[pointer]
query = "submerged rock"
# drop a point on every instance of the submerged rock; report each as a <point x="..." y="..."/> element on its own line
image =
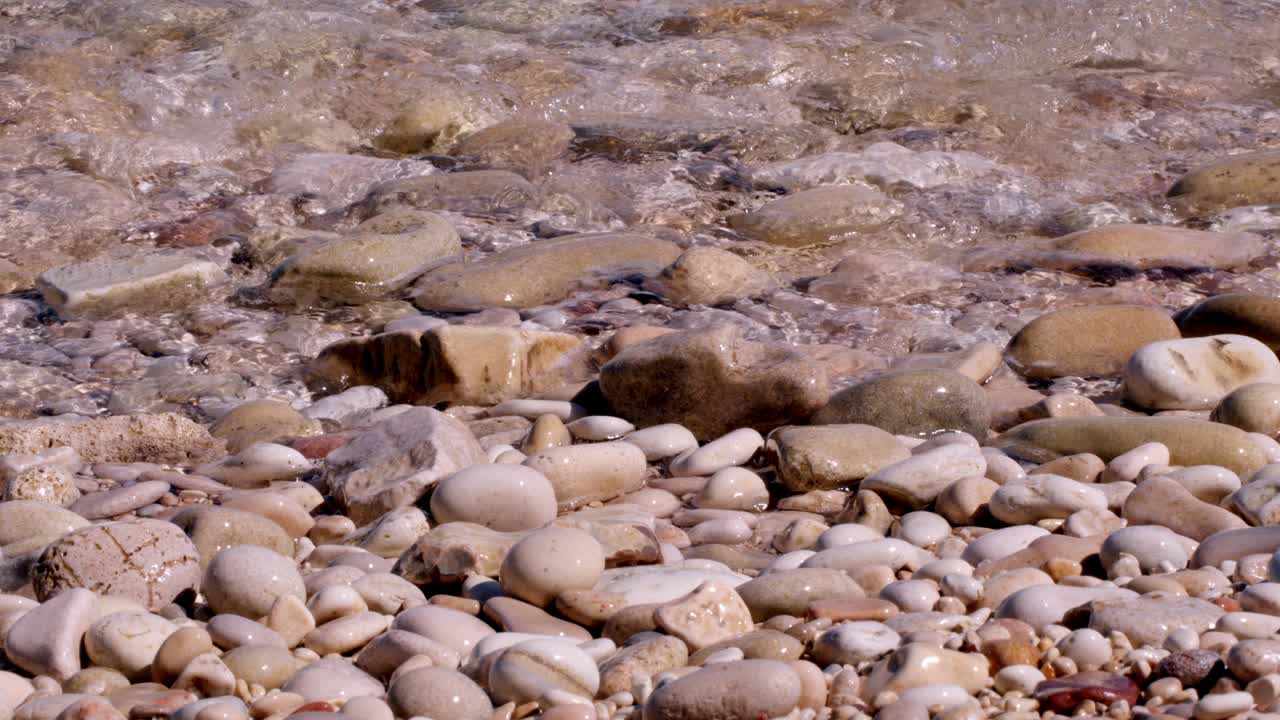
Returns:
<point x="712" y="382"/>
<point x="114" y="286"/>
<point x="541" y="272"/>
<point x="820" y="215"/>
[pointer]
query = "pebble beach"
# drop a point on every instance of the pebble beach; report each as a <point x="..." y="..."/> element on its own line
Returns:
<point x="639" y="360"/>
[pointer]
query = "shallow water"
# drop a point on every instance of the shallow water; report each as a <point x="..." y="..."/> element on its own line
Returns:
<point x="125" y="126"/>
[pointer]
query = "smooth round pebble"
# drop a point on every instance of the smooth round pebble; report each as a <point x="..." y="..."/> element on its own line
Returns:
<point x="550" y="561"/>
<point x="499" y="496"/>
<point x="247" y="579"/>
<point x="529" y="669"/>
<point x="438" y="693"/>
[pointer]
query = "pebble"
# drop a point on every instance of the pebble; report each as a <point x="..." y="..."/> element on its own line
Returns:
<point x="733" y="488"/>
<point x="710" y="614"/>
<point x="1150" y="544"/>
<point x="438" y="693"/>
<point x="850" y="643"/>
<point x="1087" y="341"/>
<point x="452" y="628"/>
<point x="333" y="680"/>
<point x="582" y="474"/>
<point x="529" y="573"/>
<point x="1254" y="407"/>
<point x="42" y="483"/>
<point x="267" y="665"/>
<point x="919" y="479"/>
<point x="1149" y="620"/>
<point x="597" y="428"/>
<point x="923" y="529"/>
<point x="280" y="509"/>
<point x="247" y="579"/>
<point x="1196" y="373"/>
<point x="1042" y="497"/>
<point x="1068" y="693"/>
<point x="912" y="402"/>
<point x="527" y="670"/>
<point x="97" y="506"/>
<point x="823" y="457"/>
<point x="127" y="641"/>
<point x="46" y="640"/>
<point x="501" y="497"/>
<point x="917" y="664"/>
<point x="660" y="442"/>
<point x="1046" y="604"/>
<point x="1001" y="543"/>
<point x="257" y="466"/>
<point x="733" y="449"/>
<point x="792" y="592"/>
<point x="1160" y="501"/>
<point x="1220" y="706"/>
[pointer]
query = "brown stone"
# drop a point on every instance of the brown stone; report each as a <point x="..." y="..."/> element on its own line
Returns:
<point x="1087" y="341"/>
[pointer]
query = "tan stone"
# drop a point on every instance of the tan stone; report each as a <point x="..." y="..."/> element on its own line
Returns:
<point x="710" y="276"/>
<point x="1245" y="179"/>
<point x="820" y="215"/>
<point x="1253" y="315"/>
<point x="710" y="614"/>
<point x="829" y="456"/>
<point x="159" y="438"/>
<point x="262" y="421"/>
<point x="1087" y="341"/>
<point x="455" y="364"/>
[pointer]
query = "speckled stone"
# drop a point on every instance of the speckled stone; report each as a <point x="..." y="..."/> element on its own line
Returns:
<point x="148" y="561"/>
<point x="912" y="402"/>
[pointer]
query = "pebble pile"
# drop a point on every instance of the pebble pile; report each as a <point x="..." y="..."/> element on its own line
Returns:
<point x="650" y="360"/>
<point x="744" y="543"/>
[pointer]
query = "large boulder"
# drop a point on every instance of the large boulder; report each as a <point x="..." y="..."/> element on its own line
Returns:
<point x="541" y="272"/>
<point x="393" y="463"/>
<point x="713" y="382"/>
<point x="454" y="363"/>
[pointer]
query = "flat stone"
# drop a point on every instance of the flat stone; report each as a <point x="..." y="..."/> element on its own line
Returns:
<point x="1195" y="373"/>
<point x="391" y="649"/>
<point x="1244" y="179"/>
<point x="821" y="215"/>
<point x="383" y="255"/>
<point x="516" y="616"/>
<point x="453" y="551"/>
<point x="332" y="679"/>
<point x="541" y="273"/>
<point x="149" y="282"/>
<point x="851" y="643"/>
<point x="1149" y="620"/>
<point x="392" y="464"/>
<point x="1253" y="315"/>
<point x="452" y="628"/>
<point x="148" y="561"/>
<point x="159" y="438"/>
<point x="726" y="691"/>
<point x="1161" y="501"/>
<point x="823" y="457"/>
<point x="460" y="364"/>
<point x="713" y="382"/>
<point x="262" y="421"/>
<point x="118" y="501"/>
<point x="1130" y="246"/>
<point x="1087" y="341"/>
<point x="762" y="644"/>
<point x="1235" y="543"/>
<point x="1044" y="497"/>
<point x="1190" y="441"/>
<point x="912" y="402"/>
<point x="1045" y="604"/>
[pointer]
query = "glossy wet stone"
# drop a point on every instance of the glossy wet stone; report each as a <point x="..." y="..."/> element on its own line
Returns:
<point x="1065" y="694"/>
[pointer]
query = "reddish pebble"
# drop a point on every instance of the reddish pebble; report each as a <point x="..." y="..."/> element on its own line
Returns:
<point x="319" y="446"/>
<point x="1228" y="604"/>
<point x="1065" y="694"/>
<point x="317" y="706"/>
